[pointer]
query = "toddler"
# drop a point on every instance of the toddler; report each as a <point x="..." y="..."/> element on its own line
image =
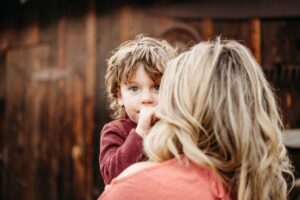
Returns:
<point x="132" y="83"/>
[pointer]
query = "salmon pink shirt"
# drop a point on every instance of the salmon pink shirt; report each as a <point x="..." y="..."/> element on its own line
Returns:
<point x="170" y="180"/>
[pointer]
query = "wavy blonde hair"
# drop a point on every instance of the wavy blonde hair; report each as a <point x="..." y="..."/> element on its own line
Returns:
<point x="217" y="109"/>
<point x="149" y="52"/>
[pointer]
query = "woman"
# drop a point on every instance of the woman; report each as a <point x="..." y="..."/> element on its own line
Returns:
<point x="219" y="133"/>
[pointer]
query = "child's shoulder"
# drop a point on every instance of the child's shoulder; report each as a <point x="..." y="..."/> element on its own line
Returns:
<point x="120" y="124"/>
<point x="119" y="121"/>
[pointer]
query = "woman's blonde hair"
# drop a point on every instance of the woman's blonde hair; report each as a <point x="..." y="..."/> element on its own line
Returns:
<point x="217" y="109"/>
<point x="149" y="52"/>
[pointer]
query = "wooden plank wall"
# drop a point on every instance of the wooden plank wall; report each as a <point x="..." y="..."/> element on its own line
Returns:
<point x="281" y="51"/>
<point x="49" y="95"/>
<point x="52" y="100"/>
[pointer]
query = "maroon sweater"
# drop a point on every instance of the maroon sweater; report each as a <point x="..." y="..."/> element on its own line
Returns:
<point x="120" y="146"/>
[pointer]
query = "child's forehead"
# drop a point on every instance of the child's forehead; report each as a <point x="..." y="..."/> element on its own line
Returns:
<point x="130" y="75"/>
<point x="134" y="81"/>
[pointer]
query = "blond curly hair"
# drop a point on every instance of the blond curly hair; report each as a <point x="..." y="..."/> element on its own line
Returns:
<point x="152" y="53"/>
<point x="217" y="109"/>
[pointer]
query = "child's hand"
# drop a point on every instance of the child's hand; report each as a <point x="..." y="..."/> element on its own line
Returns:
<point x="146" y="120"/>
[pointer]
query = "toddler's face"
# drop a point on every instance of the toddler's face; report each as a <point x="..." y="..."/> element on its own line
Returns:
<point x="140" y="91"/>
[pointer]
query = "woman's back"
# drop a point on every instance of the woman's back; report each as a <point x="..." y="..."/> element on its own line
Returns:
<point x="168" y="180"/>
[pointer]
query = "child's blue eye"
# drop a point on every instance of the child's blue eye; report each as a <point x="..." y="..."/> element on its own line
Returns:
<point x="156" y="87"/>
<point x="134" y="89"/>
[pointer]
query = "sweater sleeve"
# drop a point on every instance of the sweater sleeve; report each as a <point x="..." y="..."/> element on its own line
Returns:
<point x="118" y="151"/>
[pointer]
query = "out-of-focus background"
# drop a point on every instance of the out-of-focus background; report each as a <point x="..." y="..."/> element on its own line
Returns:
<point x="52" y="66"/>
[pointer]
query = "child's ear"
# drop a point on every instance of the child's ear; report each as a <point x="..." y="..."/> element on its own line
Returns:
<point x="120" y="99"/>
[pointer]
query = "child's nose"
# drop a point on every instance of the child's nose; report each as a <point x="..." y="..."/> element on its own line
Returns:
<point x="146" y="98"/>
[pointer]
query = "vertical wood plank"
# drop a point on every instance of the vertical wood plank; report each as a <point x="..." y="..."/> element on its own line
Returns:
<point x="207" y="29"/>
<point x="75" y="60"/>
<point x="61" y="42"/>
<point x="256" y="39"/>
<point x="108" y="38"/>
<point x="55" y="119"/>
<point x="90" y="95"/>
<point x="50" y="107"/>
<point x="2" y="114"/>
<point x="124" y="24"/>
<point x="13" y="148"/>
<point x="37" y="114"/>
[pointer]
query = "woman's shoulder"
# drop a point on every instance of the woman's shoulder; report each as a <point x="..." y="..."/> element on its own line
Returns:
<point x="189" y="180"/>
<point x="168" y="166"/>
<point x="136" y="168"/>
<point x="154" y="167"/>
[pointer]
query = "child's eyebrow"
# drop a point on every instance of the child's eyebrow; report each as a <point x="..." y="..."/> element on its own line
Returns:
<point x="131" y="82"/>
